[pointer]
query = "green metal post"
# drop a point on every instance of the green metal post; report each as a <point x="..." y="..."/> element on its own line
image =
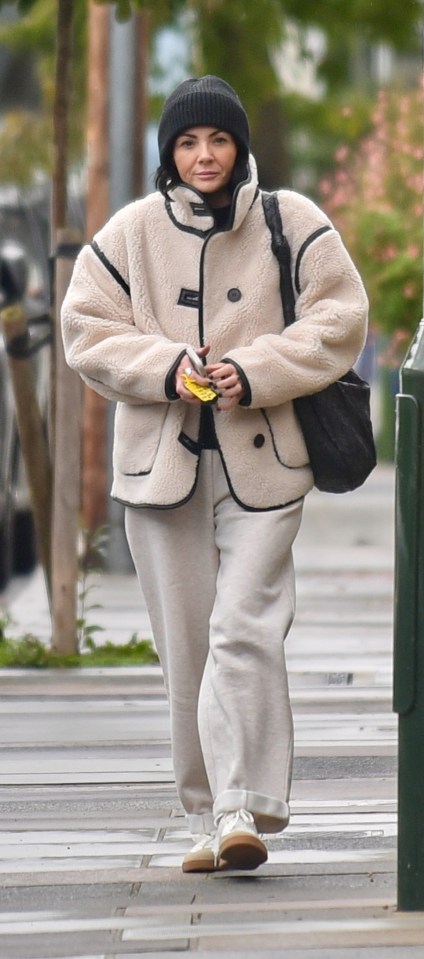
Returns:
<point x="409" y="625"/>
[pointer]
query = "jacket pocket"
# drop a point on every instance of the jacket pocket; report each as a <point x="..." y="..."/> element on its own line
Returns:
<point x="286" y="436"/>
<point x="138" y="431"/>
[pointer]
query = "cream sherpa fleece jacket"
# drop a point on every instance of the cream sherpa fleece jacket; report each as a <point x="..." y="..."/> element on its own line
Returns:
<point x="158" y="277"/>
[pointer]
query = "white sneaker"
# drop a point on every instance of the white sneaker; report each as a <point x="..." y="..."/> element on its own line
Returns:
<point x="238" y="843"/>
<point x="201" y="857"/>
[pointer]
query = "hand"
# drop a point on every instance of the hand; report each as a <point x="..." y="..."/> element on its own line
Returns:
<point x="225" y="378"/>
<point x="182" y="369"/>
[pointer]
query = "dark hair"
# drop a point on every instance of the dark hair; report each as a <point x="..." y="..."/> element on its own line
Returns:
<point x="167" y="176"/>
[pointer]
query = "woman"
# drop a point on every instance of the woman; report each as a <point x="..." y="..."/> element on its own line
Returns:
<point x="214" y="493"/>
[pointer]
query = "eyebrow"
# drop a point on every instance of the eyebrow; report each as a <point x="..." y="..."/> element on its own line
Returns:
<point x="193" y="136"/>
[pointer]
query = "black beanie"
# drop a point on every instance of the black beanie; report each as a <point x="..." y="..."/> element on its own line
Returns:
<point x="208" y="101"/>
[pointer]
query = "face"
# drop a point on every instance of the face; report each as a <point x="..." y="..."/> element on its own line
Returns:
<point x="205" y="158"/>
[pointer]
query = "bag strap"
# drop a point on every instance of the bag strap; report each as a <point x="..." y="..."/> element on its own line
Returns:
<point x="281" y="249"/>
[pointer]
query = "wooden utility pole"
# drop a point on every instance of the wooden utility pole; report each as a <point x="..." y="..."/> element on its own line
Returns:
<point x="94" y="462"/>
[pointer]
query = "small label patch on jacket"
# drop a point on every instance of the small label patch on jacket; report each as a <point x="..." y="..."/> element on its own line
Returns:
<point x="189" y="298"/>
<point x="200" y="209"/>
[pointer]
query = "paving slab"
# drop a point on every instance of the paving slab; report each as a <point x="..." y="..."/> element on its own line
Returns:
<point x="91" y="832"/>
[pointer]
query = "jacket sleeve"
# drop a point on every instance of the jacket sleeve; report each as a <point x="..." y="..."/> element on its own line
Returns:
<point x="113" y="355"/>
<point x="331" y="320"/>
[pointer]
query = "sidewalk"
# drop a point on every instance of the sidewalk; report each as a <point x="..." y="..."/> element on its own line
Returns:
<point x="92" y="835"/>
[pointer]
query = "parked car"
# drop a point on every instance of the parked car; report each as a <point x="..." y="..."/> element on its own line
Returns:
<point x="24" y="278"/>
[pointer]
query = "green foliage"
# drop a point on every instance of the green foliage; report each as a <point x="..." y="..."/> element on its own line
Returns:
<point x="91" y="560"/>
<point x="22" y="5"/>
<point x="29" y="652"/>
<point x="318" y="126"/>
<point x="25" y="653"/>
<point x="236" y="39"/>
<point x="375" y="197"/>
<point x="26" y="137"/>
<point x="290" y="132"/>
<point x="123" y="9"/>
<point x="165" y="9"/>
<point x="34" y="31"/>
<point x="18" y="162"/>
<point x="375" y="20"/>
<point x="136" y="652"/>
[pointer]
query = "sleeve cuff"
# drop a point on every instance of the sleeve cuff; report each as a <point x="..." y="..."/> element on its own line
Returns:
<point x="170" y="378"/>
<point x="247" y="398"/>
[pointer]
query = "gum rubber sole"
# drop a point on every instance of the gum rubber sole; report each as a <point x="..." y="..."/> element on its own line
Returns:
<point x="199" y="863"/>
<point x="242" y="852"/>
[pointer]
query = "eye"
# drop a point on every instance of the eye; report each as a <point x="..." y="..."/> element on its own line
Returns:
<point x="186" y="143"/>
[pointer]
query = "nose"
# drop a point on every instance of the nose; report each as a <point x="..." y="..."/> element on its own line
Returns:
<point x="205" y="152"/>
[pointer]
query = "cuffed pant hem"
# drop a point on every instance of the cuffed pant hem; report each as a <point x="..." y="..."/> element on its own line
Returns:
<point x="199" y="824"/>
<point x="270" y="815"/>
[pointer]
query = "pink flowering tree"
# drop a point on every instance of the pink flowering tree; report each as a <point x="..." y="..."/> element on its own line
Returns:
<point x="375" y="198"/>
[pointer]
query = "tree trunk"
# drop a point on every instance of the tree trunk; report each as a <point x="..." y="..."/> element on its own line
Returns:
<point x="141" y="99"/>
<point x="64" y="21"/>
<point x="94" y="473"/>
<point x="67" y="468"/>
<point x="65" y="416"/>
<point x="65" y="16"/>
<point x="95" y="449"/>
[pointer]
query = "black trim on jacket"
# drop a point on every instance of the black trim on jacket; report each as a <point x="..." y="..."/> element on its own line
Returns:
<point x="274" y="445"/>
<point x="170" y="379"/>
<point x="247" y="398"/>
<point x="110" y="268"/>
<point x="253" y="509"/>
<point x="196" y="231"/>
<point x="310" y="239"/>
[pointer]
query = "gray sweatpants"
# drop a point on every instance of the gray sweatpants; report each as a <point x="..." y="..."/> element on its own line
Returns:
<point x="218" y="582"/>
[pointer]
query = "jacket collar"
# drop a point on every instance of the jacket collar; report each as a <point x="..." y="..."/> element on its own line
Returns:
<point x="190" y="212"/>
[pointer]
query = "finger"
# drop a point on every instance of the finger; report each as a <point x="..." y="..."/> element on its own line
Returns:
<point x="219" y="369"/>
<point x="203" y="350"/>
<point x="226" y="404"/>
<point x="225" y="373"/>
<point x="231" y="386"/>
<point x="224" y="381"/>
<point x="182" y="390"/>
<point x="187" y="370"/>
<point x="188" y="397"/>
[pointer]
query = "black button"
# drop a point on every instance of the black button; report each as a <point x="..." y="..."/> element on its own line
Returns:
<point x="234" y="295"/>
<point x="259" y="440"/>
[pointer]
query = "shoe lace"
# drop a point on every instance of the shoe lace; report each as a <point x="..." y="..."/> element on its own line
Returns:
<point x="233" y="819"/>
<point x="204" y="841"/>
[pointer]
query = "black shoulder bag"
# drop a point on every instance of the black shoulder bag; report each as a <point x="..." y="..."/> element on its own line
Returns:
<point x="336" y="421"/>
